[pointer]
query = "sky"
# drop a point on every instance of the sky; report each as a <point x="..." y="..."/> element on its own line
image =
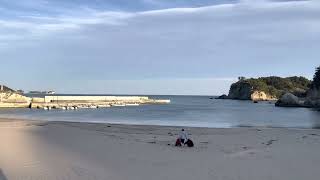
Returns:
<point x="191" y="47"/>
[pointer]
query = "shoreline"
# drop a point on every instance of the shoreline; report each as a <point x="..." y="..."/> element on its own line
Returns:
<point x="2" y="119"/>
<point x="32" y="149"/>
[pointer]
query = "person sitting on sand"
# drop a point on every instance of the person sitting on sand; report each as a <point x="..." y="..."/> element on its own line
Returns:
<point x="184" y="139"/>
<point x="183" y="136"/>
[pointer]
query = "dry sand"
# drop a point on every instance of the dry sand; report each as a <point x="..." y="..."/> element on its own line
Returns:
<point x="84" y="151"/>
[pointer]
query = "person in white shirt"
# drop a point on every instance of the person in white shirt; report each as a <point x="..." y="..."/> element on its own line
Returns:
<point x="183" y="136"/>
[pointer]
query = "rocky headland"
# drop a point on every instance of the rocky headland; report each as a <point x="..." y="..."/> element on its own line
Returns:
<point x="267" y="88"/>
<point x="310" y="100"/>
<point x="287" y="92"/>
<point x="10" y="98"/>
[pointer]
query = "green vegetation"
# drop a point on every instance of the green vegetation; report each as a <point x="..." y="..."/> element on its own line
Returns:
<point x="277" y="86"/>
<point x="316" y="79"/>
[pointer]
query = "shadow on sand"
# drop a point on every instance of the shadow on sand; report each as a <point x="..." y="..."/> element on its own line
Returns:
<point x="2" y="176"/>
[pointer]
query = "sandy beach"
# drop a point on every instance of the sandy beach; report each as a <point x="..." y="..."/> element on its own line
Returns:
<point x="84" y="151"/>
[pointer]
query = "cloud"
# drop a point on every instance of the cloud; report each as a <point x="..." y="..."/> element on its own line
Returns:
<point x="224" y="40"/>
<point x="239" y="12"/>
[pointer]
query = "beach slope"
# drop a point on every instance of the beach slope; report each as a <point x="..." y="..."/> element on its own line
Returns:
<point x="82" y="151"/>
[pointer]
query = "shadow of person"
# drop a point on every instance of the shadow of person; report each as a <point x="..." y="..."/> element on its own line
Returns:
<point x="2" y="176"/>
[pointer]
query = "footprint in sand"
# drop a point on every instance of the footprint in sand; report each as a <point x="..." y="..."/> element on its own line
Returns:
<point x="82" y="172"/>
<point x="204" y="142"/>
<point x="270" y="142"/>
<point x="244" y="153"/>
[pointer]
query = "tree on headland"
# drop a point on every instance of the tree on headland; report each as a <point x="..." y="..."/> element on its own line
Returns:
<point x="316" y="79"/>
<point x="241" y="78"/>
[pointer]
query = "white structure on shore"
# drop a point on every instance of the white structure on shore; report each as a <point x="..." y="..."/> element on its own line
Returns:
<point x="48" y="99"/>
<point x="11" y="99"/>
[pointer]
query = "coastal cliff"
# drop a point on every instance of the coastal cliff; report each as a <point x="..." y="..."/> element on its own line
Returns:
<point x="313" y="98"/>
<point x="246" y="91"/>
<point x="310" y="100"/>
<point x="267" y="88"/>
<point x="10" y="99"/>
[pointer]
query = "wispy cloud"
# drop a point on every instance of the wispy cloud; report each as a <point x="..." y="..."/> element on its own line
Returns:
<point x="42" y="24"/>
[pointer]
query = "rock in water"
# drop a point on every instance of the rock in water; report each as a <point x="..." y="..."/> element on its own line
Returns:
<point x="289" y="100"/>
<point x="222" y="97"/>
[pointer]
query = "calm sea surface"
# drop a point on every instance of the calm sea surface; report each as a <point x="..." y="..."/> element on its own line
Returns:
<point x="195" y="111"/>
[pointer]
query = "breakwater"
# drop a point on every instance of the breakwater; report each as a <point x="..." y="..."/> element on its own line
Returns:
<point x="74" y="102"/>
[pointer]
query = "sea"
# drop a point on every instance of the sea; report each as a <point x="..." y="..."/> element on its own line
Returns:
<point x="190" y="111"/>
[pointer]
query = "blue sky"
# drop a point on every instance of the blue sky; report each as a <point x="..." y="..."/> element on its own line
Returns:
<point x="154" y="46"/>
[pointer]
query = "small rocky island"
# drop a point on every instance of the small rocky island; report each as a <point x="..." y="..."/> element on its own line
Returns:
<point x="287" y="92"/>
<point x="267" y="88"/>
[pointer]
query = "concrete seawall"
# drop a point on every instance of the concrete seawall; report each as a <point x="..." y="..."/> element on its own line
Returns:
<point x="93" y="101"/>
<point x="49" y="99"/>
<point x="14" y="100"/>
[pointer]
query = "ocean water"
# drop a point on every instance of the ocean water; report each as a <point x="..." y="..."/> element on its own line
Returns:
<point x="193" y="111"/>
